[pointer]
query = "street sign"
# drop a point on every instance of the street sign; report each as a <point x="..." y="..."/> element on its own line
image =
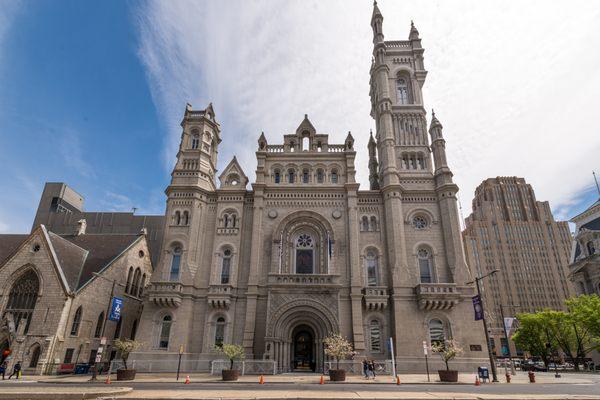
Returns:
<point x="115" y="309"/>
<point x="425" y="347"/>
<point x="478" y="307"/>
<point x="181" y="349"/>
<point x="103" y="340"/>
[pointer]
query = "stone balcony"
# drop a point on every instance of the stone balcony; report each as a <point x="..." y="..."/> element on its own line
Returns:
<point x="219" y="296"/>
<point x="437" y="296"/>
<point x="312" y="280"/>
<point x="165" y="294"/>
<point x="375" y="297"/>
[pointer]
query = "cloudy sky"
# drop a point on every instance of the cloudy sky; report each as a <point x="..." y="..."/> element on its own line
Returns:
<point x="92" y="93"/>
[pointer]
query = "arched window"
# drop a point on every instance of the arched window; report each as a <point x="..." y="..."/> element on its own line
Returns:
<point x="277" y="176"/>
<point x="226" y="266"/>
<point x="421" y="162"/>
<point x="364" y="226"/>
<point x="424" y="258"/>
<point x="35" y="356"/>
<point x="76" y="321"/>
<point x="129" y="277"/>
<point x="195" y="141"/>
<point x="175" y="263"/>
<point x="22" y="298"/>
<point x="292" y="146"/>
<point x="118" y="328"/>
<point x="320" y="175"/>
<point x="291" y="175"/>
<point x="233" y="220"/>
<point x="371" y="268"/>
<point x="226" y="220"/>
<point x="142" y="285"/>
<point x="436" y="331"/>
<point x="177" y="218"/>
<point x="305" y="175"/>
<point x="590" y="248"/>
<point x="220" y="332"/>
<point x="402" y="91"/>
<point x="375" y="336"/>
<point x="133" y="329"/>
<point x="135" y="286"/>
<point x="374" y="223"/>
<point x="305" y="247"/>
<point x="305" y="143"/>
<point x="99" y="324"/>
<point x="334" y="176"/>
<point x="186" y="218"/>
<point x="165" y="332"/>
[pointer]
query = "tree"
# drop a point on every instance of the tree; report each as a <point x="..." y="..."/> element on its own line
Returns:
<point x="126" y="347"/>
<point x="233" y="352"/>
<point x="532" y="336"/>
<point x="586" y="310"/>
<point x="338" y="347"/>
<point x="447" y="350"/>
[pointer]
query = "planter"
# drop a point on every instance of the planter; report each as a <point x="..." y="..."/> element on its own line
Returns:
<point x="125" y="374"/>
<point x="230" y="374"/>
<point x="337" y="375"/>
<point x="448" y="375"/>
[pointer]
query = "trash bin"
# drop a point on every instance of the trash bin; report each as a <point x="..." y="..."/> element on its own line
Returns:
<point x="484" y="374"/>
<point x="82" y="369"/>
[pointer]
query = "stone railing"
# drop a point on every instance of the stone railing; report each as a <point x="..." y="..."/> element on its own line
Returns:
<point x="303" y="279"/>
<point x="336" y="148"/>
<point x="165" y="294"/>
<point x="437" y="296"/>
<point x="275" y="148"/>
<point x="219" y="296"/>
<point x="375" y="297"/>
<point x="398" y="43"/>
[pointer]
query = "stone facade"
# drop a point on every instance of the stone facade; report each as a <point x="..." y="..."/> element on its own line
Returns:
<point x="305" y="253"/>
<point x="511" y="231"/>
<point x="69" y="292"/>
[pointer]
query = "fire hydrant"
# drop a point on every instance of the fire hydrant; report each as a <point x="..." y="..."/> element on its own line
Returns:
<point x="531" y="375"/>
<point x="507" y="377"/>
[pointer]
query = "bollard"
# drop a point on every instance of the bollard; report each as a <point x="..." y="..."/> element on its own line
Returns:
<point x="322" y="380"/>
<point x="187" y="380"/>
<point x="261" y="380"/>
<point x="531" y="376"/>
<point x="107" y="380"/>
<point x="397" y="379"/>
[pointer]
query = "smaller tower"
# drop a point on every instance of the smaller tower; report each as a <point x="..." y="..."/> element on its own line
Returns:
<point x="373" y="165"/>
<point x="438" y="148"/>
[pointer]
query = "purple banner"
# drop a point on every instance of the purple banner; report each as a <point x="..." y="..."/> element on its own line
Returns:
<point x="478" y="307"/>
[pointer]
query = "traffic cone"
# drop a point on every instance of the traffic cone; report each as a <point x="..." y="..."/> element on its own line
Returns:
<point x="397" y="379"/>
<point x="477" y="383"/>
<point x="107" y="380"/>
<point x="322" y="380"/>
<point x="187" y="380"/>
<point x="261" y="380"/>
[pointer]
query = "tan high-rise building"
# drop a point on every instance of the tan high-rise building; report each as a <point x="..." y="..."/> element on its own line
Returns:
<point x="511" y="231"/>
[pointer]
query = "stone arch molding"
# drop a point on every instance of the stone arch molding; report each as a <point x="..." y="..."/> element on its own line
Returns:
<point x="302" y="311"/>
<point x="304" y="216"/>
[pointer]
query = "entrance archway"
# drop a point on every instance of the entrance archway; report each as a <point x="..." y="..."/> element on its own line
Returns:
<point x="304" y="346"/>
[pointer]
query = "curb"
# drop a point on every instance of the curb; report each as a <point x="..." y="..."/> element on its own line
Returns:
<point x="66" y="395"/>
<point x="454" y="396"/>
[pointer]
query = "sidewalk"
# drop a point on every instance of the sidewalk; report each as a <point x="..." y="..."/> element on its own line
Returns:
<point x="60" y="393"/>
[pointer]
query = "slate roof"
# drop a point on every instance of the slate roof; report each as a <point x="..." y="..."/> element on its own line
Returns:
<point x="593" y="225"/>
<point x="9" y="244"/>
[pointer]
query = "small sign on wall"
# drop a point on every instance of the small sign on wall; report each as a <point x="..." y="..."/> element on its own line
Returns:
<point x="475" y="347"/>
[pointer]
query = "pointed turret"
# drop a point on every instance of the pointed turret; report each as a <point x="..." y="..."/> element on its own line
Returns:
<point x="414" y="33"/>
<point x="262" y="142"/>
<point x="438" y="147"/>
<point x="349" y="142"/>
<point x="373" y="164"/>
<point x="377" y="24"/>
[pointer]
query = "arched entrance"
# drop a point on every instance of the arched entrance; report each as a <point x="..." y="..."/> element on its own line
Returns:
<point x="304" y="349"/>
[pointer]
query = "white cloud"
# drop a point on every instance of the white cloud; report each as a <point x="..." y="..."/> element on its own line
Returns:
<point x="514" y="84"/>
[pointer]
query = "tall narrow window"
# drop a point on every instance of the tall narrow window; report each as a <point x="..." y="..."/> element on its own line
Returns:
<point x="195" y="141"/>
<point x="133" y="329"/>
<point x="135" y="285"/>
<point x="277" y="176"/>
<point x="177" y="218"/>
<point x="76" y="321"/>
<point x="375" y="336"/>
<point x="291" y="175"/>
<point x="402" y="91"/>
<point x="424" y="258"/>
<point x="129" y="277"/>
<point x="118" y="328"/>
<point x="436" y="331"/>
<point x="374" y="223"/>
<point x="590" y="248"/>
<point x="233" y="220"/>
<point x="292" y="146"/>
<point x="320" y="176"/>
<point x="142" y="285"/>
<point x="35" y="356"/>
<point x="305" y="144"/>
<point x="365" y="224"/>
<point x="226" y="267"/>
<point x="175" y="263"/>
<point x="305" y="175"/>
<point x="165" y="332"/>
<point x="371" y="268"/>
<point x="22" y="298"/>
<point x="304" y="254"/>
<point x="186" y="218"/>
<point x="226" y="220"/>
<point x="334" y="176"/>
<point x="220" y="332"/>
<point x="99" y="324"/>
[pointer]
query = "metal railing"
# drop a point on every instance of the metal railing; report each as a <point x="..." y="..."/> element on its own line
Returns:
<point x="382" y="367"/>
<point x="247" y="367"/>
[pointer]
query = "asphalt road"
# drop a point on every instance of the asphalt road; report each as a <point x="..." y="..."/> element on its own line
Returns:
<point x="555" y="389"/>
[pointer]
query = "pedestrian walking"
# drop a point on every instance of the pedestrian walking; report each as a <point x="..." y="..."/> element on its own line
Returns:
<point x="3" y="367"/>
<point x="16" y="370"/>
<point x="371" y="368"/>
<point x="365" y="366"/>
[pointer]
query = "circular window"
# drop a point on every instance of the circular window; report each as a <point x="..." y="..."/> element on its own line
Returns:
<point x="422" y="253"/>
<point x="419" y="222"/>
<point x="227" y="252"/>
<point x="141" y="253"/>
<point x="304" y="240"/>
<point x="36" y="247"/>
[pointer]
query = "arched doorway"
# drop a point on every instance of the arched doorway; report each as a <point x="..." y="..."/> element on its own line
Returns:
<point x="303" y="347"/>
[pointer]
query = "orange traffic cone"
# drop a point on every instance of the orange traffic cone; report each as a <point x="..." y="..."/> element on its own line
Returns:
<point x="397" y="379"/>
<point x="187" y="380"/>
<point x="322" y="380"/>
<point x="261" y="380"/>
<point x="107" y="380"/>
<point x="477" y="383"/>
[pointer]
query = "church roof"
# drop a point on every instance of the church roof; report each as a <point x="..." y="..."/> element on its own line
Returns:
<point x="9" y="244"/>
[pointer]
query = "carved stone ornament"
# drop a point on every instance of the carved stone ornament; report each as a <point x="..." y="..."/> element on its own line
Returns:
<point x="336" y="214"/>
<point x="272" y="214"/>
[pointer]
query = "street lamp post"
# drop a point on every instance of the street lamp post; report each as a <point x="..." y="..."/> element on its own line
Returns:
<point x="485" y="327"/>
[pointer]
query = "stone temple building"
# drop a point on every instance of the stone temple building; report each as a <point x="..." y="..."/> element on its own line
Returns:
<point x="511" y="231"/>
<point x="305" y="253"/>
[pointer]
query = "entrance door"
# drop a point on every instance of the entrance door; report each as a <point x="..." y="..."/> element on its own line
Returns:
<point x="304" y="351"/>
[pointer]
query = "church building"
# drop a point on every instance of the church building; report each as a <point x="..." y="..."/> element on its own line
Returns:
<point x="305" y="253"/>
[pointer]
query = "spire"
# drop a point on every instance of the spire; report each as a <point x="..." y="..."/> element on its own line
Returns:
<point x="376" y="12"/>
<point x="372" y="142"/>
<point x="262" y="142"/>
<point x="414" y="33"/>
<point x="373" y="164"/>
<point x="376" y="24"/>
<point x="435" y="123"/>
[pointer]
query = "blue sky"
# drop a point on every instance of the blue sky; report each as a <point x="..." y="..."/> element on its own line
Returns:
<point x="92" y="93"/>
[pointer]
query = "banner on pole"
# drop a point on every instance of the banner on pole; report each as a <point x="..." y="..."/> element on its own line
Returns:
<point x="115" y="309"/>
<point x="478" y="307"/>
<point x="508" y="323"/>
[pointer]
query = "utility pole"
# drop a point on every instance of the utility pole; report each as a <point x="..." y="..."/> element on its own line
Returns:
<point x="95" y="366"/>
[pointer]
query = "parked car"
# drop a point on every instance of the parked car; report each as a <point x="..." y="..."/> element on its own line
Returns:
<point x="534" y="366"/>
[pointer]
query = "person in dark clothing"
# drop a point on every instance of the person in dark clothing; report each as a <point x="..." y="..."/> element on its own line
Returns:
<point x="365" y="366"/>
<point x="3" y="367"/>
<point x="371" y="367"/>
<point x="16" y="370"/>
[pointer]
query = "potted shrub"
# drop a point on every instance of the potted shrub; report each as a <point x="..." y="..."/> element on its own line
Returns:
<point x="339" y="348"/>
<point x="447" y="350"/>
<point x="126" y="347"/>
<point x="233" y="352"/>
